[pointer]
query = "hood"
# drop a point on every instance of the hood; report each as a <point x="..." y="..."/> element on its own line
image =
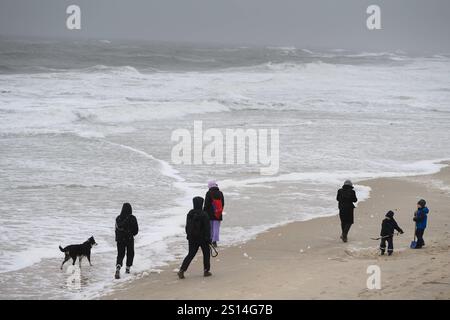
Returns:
<point x="126" y="209"/>
<point x="198" y="203"/>
<point x="212" y="184"/>
<point x="390" y="214"/>
<point x="422" y="203"/>
<point x="347" y="187"/>
<point x="348" y="183"/>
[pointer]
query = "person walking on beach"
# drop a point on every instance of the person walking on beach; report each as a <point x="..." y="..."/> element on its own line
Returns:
<point x="199" y="236"/>
<point x="346" y="197"/>
<point x="214" y="203"/>
<point x="388" y="226"/>
<point x="126" y="229"/>
<point x="421" y="217"/>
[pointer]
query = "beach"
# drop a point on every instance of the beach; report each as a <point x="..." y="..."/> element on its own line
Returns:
<point x="306" y="260"/>
<point x="80" y="137"/>
<point x="135" y="109"/>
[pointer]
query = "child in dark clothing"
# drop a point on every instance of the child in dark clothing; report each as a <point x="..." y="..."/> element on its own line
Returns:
<point x="388" y="226"/>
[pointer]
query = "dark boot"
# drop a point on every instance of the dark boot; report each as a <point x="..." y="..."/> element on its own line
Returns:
<point x="127" y="270"/>
<point x="345" y="229"/>
<point x="117" y="275"/>
<point x="181" y="274"/>
<point x="207" y="274"/>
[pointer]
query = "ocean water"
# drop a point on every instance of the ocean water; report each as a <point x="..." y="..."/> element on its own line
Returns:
<point x="86" y="126"/>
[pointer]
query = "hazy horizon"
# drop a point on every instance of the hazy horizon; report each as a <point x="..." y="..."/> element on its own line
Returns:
<point x="411" y="26"/>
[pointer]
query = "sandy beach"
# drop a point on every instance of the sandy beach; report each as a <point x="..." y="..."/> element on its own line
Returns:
<point x="306" y="260"/>
<point x="141" y="105"/>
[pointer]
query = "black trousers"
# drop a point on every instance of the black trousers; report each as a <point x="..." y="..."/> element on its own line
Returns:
<point x="193" y="248"/>
<point x="419" y="235"/>
<point x="390" y="242"/>
<point x="345" y="228"/>
<point x="127" y="247"/>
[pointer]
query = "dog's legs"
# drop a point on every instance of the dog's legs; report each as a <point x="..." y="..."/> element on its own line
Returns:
<point x="79" y="261"/>
<point x="73" y="260"/>
<point x="89" y="259"/>
<point x="66" y="258"/>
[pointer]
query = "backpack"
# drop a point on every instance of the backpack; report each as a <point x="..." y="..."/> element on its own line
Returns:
<point x="196" y="227"/>
<point x="217" y="208"/>
<point x="123" y="229"/>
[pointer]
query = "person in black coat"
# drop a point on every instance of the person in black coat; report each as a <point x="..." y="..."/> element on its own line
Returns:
<point x="199" y="236"/>
<point x="388" y="226"/>
<point x="346" y="197"/>
<point x="126" y="229"/>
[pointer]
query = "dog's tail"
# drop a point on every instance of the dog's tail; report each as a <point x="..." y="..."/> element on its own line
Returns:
<point x="62" y="249"/>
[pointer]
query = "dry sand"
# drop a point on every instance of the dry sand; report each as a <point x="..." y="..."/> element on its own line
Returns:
<point x="306" y="260"/>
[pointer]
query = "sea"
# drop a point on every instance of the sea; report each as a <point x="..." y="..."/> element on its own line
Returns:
<point x="87" y="125"/>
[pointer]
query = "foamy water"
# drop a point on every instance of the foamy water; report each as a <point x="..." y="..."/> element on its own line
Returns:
<point x="78" y="138"/>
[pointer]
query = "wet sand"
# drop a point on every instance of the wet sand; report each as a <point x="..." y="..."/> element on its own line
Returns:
<point x="307" y="260"/>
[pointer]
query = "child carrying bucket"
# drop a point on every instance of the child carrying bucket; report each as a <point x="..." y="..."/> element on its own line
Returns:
<point x="420" y="218"/>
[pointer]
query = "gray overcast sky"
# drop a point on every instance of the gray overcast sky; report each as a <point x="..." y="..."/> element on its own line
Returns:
<point x="411" y="25"/>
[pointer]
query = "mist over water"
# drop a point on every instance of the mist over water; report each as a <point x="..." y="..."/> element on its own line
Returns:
<point x="86" y="126"/>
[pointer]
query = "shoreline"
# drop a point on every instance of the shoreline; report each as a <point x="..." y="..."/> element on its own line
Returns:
<point x="306" y="259"/>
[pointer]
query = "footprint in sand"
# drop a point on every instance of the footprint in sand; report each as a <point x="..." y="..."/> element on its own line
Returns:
<point x="436" y="282"/>
<point x="338" y="259"/>
<point x="407" y="283"/>
<point x="363" y="292"/>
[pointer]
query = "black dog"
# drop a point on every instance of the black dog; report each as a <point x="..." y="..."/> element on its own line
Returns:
<point x="78" y="250"/>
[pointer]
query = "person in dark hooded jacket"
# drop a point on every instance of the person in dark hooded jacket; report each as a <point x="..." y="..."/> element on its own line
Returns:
<point x="388" y="227"/>
<point x="346" y="196"/>
<point x="199" y="236"/>
<point x="214" y="204"/>
<point x="126" y="228"/>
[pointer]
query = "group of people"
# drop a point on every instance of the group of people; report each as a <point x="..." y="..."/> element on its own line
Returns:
<point x="346" y="198"/>
<point x="203" y="227"/>
<point x="202" y="230"/>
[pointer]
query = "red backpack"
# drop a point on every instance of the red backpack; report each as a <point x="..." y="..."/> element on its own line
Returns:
<point x="217" y="208"/>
